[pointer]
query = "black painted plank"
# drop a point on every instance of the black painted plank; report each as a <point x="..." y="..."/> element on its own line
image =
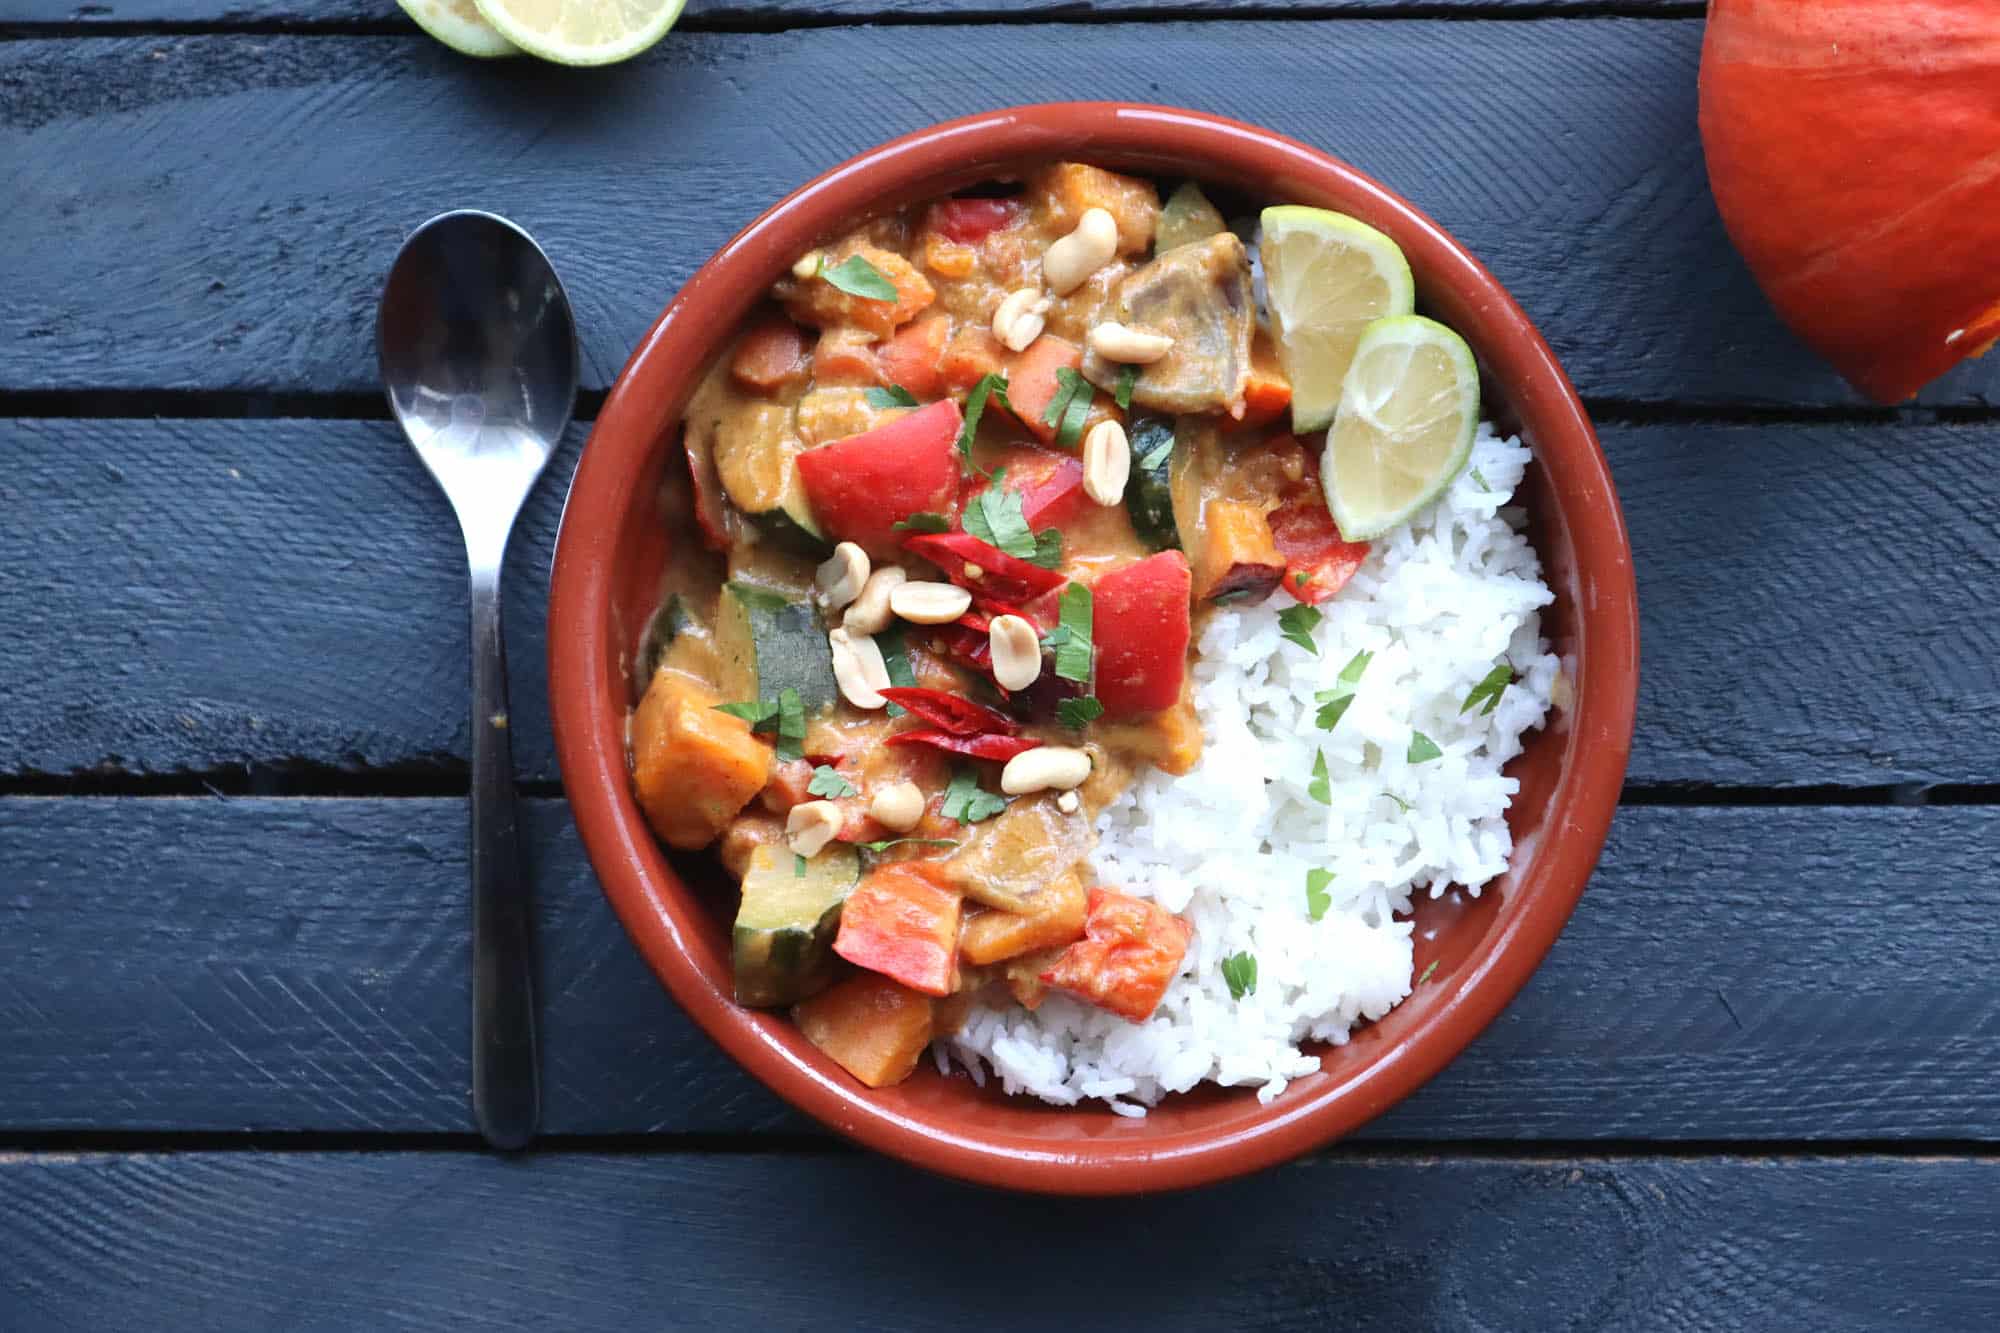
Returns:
<point x="221" y="966"/>
<point x="217" y="212"/>
<point x="338" y="15"/>
<point x="1817" y="601"/>
<point x="207" y="1241"/>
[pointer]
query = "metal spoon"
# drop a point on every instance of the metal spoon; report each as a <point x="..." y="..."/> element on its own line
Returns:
<point x="478" y="355"/>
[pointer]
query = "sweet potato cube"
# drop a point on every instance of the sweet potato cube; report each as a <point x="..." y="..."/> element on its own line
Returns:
<point x="1130" y="952"/>
<point x="1054" y="918"/>
<point x="1234" y="556"/>
<point x="900" y="921"/>
<point x="693" y="768"/>
<point x="868" y="1025"/>
<point x="818" y="302"/>
<point x="1065" y="191"/>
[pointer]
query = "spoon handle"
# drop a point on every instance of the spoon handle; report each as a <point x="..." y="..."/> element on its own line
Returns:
<point x="506" y="1082"/>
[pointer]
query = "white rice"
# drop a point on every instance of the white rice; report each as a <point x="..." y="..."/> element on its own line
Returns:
<point x="1438" y="603"/>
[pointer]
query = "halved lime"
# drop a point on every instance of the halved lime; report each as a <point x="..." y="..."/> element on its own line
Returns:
<point x="1326" y="276"/>
<point x="1409" y="408"/>
<point x="582" y="32"/>
<point x="457" y="24"/>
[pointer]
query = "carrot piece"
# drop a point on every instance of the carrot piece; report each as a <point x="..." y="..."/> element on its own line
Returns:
<point x="900" y="922"/>
<point x="845" y="356"/>
<point x="1131" y="951"/>
<point x="972" y="354"/>
<point x="1235" y="558"/>
<point x="1031" y="381"/>
<point x="868" y="1025"/>
<point x="1057" y="919"/>
<point x="693" y="768"/>
<point x="1267" y="393"/>
<point x="914" y="358"/>
<point x="771" y="355"/>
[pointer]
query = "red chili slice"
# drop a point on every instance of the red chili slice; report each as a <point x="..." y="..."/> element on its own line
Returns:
<point x="964" y="646"/>
<point x="1000" y="577"/>
<point x="984" y="612"/>
<point x="960" y="717"/>
<point x="997" y="748"/>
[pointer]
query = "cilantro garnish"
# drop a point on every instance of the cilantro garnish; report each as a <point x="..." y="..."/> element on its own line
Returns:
<point x="1317" y="898"/>
<point x="857" y="277"/>
<point x="1240" y="971"/>
<point x="1071" y="637"/>
<point x="893" y="395"/>
<point x="991" y="385"/>
<point x="968" y="802"/>
<point x="1297" y="623"/>
<point x="922" y="521"/>
<point x="1068" y="408"/>
<point x="1489" y="689"/>
<point x="1321" y="786"/>
<point x="827" y="782"/>
<point x="1333" y="703"/>
<point x="1128" y="376"/>
<point x="1422" y="748"/>
<point x="1079" y="713"/>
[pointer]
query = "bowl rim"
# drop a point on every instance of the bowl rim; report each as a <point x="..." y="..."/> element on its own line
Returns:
<point x="588" y="710"/>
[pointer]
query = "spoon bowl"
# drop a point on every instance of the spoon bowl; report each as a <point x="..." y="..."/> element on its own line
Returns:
<point x="478" y="356"/>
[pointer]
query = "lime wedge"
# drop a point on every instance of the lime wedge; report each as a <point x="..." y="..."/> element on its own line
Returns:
<point x="1408" y="411"/>
<point x="457" y="24"/>
<point x="1325" y="277"/>
<point x="582" y="32"/>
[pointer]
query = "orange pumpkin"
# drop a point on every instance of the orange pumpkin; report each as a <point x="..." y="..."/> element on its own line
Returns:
<point x="1854" y="150"/>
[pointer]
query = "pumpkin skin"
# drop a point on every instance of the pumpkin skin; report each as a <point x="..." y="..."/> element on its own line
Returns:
<point x="1854" y="150"/>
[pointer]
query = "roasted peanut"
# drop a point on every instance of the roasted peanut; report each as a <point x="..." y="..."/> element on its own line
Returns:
<point x="1089" y="247"/>
<point x="870" y="612"/>
<point x="1137" y="347"/>
<point x="1017" y="652"/>
<point x="1107" y="463"/>
<point x="811" y="826"/>
<point x="858" y="668"/>
<point x="1045" y="768"/>
<point x="840" y="579"/>
<point x="1019" y="318"/>
<point x="930" y="603"/>
<point x="898" y="808"/>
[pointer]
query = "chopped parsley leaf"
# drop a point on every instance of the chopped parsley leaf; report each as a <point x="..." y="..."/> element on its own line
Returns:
<point x="1071" y="638"/>
<point x="1422" y="748"/>
<point x="1426" y="974"/>
<point x="922" y="521"/>
<point x="1321" y="786"/>
<point x="1079" y="713"/>
<point x="798" y="866"/>
<point x="1296" y="623"/>
<point x="968" y="802"/>
<point x="1489" y="689"/>
<point x="1317" y="898"/>
<point x="991" y="385"/>
<point x="893" y="395"/>
<point x="1333" y="703"/>
<point x="1128" y="376"/>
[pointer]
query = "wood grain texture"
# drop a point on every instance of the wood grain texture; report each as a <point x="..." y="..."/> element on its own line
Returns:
<point x="217" y="212"/>
<point x="221" y="966"/>
<point x="315" y="1241"/>
<point x="1817" y="602"/>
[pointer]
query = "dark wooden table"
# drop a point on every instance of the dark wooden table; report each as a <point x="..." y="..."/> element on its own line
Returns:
<point x="1754" y="1086"/>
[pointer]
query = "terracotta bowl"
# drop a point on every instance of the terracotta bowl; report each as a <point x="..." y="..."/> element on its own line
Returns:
<point x="612" y="550"/>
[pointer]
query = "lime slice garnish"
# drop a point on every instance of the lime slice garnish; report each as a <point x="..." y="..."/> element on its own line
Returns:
<point x="1408" y="411"/>
<point x="457" y="24"/>
<point x="582" y="32"/>
<point x="1325" y="277"/>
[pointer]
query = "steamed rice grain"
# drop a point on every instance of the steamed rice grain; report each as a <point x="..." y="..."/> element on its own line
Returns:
<point x="1228" y="846"/>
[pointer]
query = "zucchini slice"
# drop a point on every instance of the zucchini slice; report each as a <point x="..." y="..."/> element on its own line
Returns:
<point x="1186" y="218"/>
<point x="668" y="624"/>
<point x="786" y="924"/>
<point x="767" y="643"/>
<point x="756" y="456"/>
<point x="1149" y="494"/>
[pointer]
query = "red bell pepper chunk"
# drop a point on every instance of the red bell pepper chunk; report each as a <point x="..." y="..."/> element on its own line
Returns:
<point x="862" y="486"/>
<point x="995" y="747"/>
<point x="1318" y="560"/>
<point x="1000" y="577"/>
<point x="1140" y="625"/>
<point x="970" y="221"/>
<point x="1130" y="952"/>
<point x="900" y="922"/>
<point x="960" y="717"/>
<point x="1050" y="484"/>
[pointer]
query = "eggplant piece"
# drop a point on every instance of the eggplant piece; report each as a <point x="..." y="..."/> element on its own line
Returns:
<point x="1199" y="295"/>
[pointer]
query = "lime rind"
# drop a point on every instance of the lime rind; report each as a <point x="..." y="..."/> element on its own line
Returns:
<point x="458" y="25"/>
<point x="537" y="41"/>
<point x="1321" y="297"/>
<point x="1390" y="434"/>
